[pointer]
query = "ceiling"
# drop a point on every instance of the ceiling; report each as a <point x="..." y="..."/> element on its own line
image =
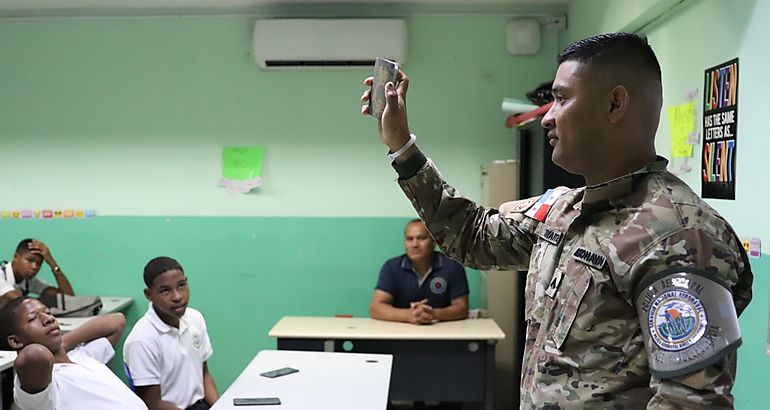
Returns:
<point x="106" y="8"/>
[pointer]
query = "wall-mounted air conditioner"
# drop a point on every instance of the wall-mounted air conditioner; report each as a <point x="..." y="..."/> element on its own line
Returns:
<point x="305" y="43"/>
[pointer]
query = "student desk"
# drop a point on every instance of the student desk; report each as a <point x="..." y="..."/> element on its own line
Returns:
<point x="325" y="381"/>
<point x="110" y="304"/>
<point x="6" y="362"/>
<point x="446" y="361"/>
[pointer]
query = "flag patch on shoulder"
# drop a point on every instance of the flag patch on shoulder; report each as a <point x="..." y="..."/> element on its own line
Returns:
<point x="540" y="209"/>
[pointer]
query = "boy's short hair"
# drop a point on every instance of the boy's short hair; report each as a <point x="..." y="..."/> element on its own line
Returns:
<point x="157" y="266"/>
<point x="23" y="246"/>
<point x="8" y="320"/>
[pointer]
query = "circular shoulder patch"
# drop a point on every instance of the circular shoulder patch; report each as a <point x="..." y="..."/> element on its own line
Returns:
<point x="677" y="320"/>
<point x="438" y="285"/>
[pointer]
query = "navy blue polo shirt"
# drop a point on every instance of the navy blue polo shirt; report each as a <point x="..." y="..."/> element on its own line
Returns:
<point x="445" y="282"/>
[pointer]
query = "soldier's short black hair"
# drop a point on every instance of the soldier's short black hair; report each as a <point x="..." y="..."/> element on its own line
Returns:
<point x="623" y="49"/>
<point x="157" y="266"/>
<point x="23" y="246"/>
<point x="8" y="320"/>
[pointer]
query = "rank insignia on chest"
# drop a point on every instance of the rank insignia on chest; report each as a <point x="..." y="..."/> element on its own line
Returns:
<point x="553" y="286"/>
<point x="590" y="257"/>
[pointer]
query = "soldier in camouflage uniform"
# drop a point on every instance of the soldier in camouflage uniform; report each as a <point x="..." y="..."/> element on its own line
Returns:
<point x="635" y="284"/>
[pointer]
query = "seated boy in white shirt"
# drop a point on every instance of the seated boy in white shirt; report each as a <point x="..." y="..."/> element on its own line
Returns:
<point x="51" y="377"/>
<point x="167" y="350"/>
<point x="19" y="277"/>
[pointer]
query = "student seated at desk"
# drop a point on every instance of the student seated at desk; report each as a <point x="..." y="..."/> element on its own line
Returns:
<point x="167" y="350"/>
<point x="18" y="277"/>
<point x="422" y="286"/>
<point x="51" y="377"/>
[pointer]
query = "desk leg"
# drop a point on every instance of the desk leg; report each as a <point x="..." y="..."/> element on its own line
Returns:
<point x="489" y="398"/>
<point x="6" y="388"/>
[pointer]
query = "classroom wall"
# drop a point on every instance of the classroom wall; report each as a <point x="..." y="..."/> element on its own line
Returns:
<point x="128" y="117"/>
<point x="697" y="35"/>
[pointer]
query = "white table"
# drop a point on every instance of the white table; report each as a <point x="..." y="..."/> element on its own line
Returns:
<point x="445" y="361"/>
<point x="325" y="381"/>
<point x="6" y="359"/>
<point x="110" y="304"/>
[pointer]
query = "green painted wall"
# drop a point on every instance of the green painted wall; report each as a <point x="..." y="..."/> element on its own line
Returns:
<point x="128" y="116"/>
<point x="694" y="36"/>
<point x="245" y="273"/>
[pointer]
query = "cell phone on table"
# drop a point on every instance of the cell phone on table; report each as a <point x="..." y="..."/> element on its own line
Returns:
<point x="256" y="401"/>
<point x="279" y="372"/>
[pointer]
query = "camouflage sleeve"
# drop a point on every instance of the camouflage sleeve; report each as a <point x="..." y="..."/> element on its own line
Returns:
<point x="474" y="236"/>
<point x="670" y="321"/>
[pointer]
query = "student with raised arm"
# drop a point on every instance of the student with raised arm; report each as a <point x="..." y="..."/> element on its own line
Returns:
<point x="166" y="352"/>
<point x="63" y="372"/>
<point x="19" y="277"/>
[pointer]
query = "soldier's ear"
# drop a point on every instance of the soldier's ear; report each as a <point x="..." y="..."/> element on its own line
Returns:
<point x="618" y="104"/>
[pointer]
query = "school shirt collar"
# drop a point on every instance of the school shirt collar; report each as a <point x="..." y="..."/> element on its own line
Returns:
<point x="160" y="325"/>
<point x="620" y="186"/>
<point x="11" y="278"/>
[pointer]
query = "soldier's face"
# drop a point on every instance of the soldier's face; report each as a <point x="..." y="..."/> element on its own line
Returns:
<point x="573" y="123"/>
<point x="418" y="243"/>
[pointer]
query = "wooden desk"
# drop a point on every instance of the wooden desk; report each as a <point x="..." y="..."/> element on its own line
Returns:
<point x="325" y="381"/>
<point x="447" y="361"/>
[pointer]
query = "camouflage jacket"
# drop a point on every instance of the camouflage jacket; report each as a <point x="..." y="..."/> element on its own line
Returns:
<point x="584" y="345"/>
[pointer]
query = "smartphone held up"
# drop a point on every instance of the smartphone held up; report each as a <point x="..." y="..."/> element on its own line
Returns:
<point x="384" y="71"/>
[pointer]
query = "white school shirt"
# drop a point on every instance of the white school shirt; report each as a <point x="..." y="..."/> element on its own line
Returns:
<point x="8" y="282"/>
<point x="157" y="353"/>
<point x="85" y="384"/>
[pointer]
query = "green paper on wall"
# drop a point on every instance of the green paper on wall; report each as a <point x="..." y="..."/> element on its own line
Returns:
<point x="681" y="121"/>
<point x="239" y="163"/>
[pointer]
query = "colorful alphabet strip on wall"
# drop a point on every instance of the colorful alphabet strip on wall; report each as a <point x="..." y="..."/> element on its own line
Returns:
<point x="47" y="213"/>
<point x="720" y="125"/>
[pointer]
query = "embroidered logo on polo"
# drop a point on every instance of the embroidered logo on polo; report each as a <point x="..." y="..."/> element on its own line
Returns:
<point x="590" y="257"/>
<point x="438" y="285"/>
<point x="196" y="340"/>
<point x="677" y="320"/>
<point x="540" y="210"/>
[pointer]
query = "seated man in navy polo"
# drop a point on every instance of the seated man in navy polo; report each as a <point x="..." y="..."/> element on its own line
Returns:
<point x="422" y="286"/>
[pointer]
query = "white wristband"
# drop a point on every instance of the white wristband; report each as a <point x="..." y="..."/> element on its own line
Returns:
<point x="403" y="149"/>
